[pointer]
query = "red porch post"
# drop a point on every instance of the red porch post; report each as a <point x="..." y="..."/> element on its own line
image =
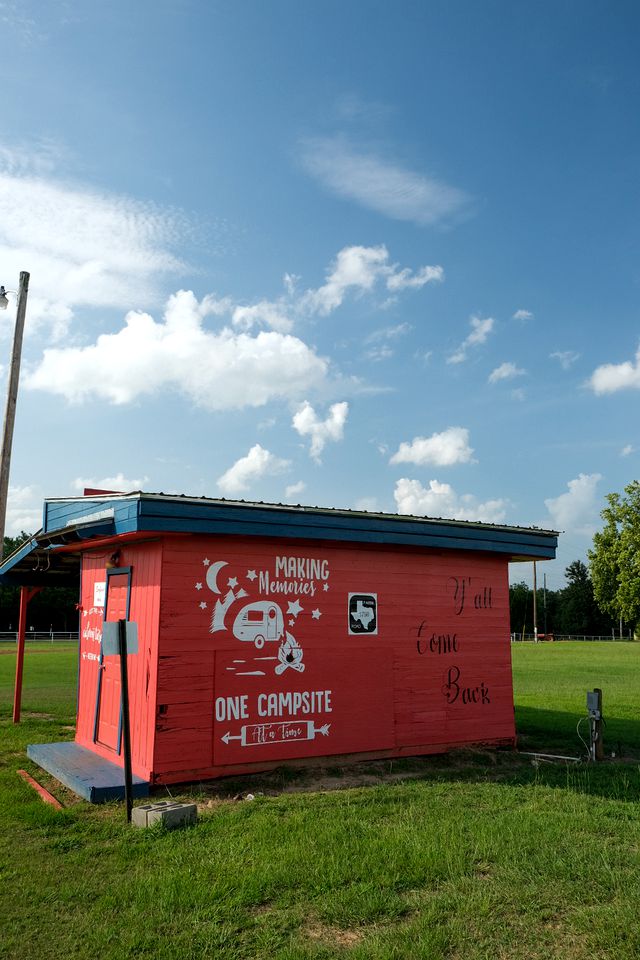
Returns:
<point x="26" y="594"/>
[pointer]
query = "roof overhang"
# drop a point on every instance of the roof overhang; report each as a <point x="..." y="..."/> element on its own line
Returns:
<point x="39" y="561"/>
<point x="68" y="523"/>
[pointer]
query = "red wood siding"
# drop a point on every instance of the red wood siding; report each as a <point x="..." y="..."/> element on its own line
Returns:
<point x="145" y="562"/>
<point x="423" y="662"/>
<point x="109" y="700"/>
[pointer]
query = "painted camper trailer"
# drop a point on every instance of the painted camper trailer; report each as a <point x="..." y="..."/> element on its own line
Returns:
<point x="331" y="633"/>
<point x="258" y="622"/>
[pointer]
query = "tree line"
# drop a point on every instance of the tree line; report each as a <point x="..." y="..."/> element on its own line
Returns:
<point x="53" y="608"/>
<point x="571" y="611"/>
<point x="602" y="597"/>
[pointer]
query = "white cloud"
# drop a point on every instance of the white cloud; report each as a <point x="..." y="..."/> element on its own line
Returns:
<point x="480" y="330"/>
<point x="307" y="423"/>
<point x="224" y="370"/>
<point x="24" y="510"/>
<point x="355" y="268"/>
<point x="119" y="483"/>
<point x="227" y="369"/>
<point x="406" y="279"/>
<point x="627" y="450"/>
<point x="41" y="159"/>
<point x="82" y="248"/>
<point x="358" y="269"/>
<point x="380" y="338"/>
<point x="382" y="352"/>
<point x="290" y="281"/>
<point x="14" y="19"/>
<point x="506" y="371"/>
<point x="566" y="358"/>
<point x="267" y="424"/>
<point x="271" y="314"/>
<point x="381" y="185"/>
<point x="523" y="315"/>
<point x="257" y="463"/>
<point x="440" y="449"/>
<point x="389" y="333"/>
<point x="518" y="394"/>
<point x="441" y="500"/>
<point x="611" y="377"/>
<point x="575" y="510"/>
<point x="294" y="489"/>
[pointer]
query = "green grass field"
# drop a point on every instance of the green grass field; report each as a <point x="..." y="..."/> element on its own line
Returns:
<point x="475" y="855"/>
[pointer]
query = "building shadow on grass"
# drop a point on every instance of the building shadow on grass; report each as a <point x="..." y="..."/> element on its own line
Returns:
<point x="543" y="731"/>
<point x="612" y="780"/>
<point x="554" y="730"/>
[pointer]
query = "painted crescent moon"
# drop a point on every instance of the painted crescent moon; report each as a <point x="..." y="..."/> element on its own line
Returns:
<point x="212" y="574"/>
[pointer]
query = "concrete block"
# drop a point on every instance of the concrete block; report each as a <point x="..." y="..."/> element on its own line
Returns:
<point x="139" y="815"/>
<point x="168" y="812"/>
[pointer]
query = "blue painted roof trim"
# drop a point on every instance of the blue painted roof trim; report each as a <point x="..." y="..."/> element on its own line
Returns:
<point x="18" y="569"/>
<point x="141" y="512"/>
<point x="27" y="547"/>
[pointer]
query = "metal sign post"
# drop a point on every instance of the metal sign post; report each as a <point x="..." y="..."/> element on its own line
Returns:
<point x="126" y="730"/>
<point x="121" y="638"/>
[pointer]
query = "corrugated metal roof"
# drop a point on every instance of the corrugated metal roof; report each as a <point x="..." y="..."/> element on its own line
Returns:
<point x="307" y="508"/>
<point x="74" y="522"/>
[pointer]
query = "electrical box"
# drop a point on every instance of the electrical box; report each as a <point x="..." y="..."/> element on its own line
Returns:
<point x="593" y="704"/>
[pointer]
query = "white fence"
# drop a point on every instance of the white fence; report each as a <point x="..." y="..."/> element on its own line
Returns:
<point x="529" y="637"/>
<point x="51" y="636"/>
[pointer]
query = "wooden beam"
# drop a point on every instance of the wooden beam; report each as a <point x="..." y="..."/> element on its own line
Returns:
<point x="44" y="794"/>
<point x="26" y="595"/>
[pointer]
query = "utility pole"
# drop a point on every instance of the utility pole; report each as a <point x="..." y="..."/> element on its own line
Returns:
<point x="535" y="603"/>
<point x="12" y="397"/>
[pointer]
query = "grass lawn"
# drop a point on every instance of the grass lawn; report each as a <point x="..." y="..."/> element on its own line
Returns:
<point x="469" y="856"/>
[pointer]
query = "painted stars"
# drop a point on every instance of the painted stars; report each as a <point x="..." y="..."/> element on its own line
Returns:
<point x="198" y="586"/>
<point x="251" y="575"/>
<point x="203" y="604"/>
<point x="316" y="614"/>
<point x="232" y="583"/>
<point x="206" y="562"/>
<point x="294" y="608"/>
<point x="325" y="587"/>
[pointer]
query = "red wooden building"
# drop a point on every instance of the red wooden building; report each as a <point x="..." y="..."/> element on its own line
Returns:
<point x="271" y="633"/>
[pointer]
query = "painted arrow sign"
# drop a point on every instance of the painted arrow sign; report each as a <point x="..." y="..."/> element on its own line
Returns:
<point x="258" y="734"/>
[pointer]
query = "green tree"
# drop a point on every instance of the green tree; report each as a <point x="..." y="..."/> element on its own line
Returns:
<point x="519" y="607"/>
<point x="578" y="612"/>
<point x="615" y="557"/>
<point x="10" y="596"/>
<point x="12" y="543"/>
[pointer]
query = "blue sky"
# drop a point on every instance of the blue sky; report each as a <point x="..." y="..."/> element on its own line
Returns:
<point x="359" y="255"/>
